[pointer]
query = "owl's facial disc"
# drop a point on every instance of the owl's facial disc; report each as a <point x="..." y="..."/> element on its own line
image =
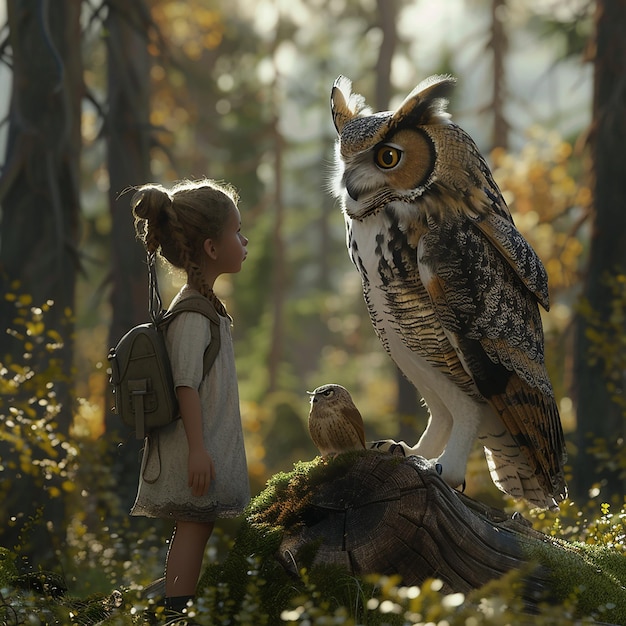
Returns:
<point x="360" y="179"/>
<point x="386" y="158"/>
<point x="406" y="158"/>
<point x="353" y="190"/>
<point x="403" y="161"/>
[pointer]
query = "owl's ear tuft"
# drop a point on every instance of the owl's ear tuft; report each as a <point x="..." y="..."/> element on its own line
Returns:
<point x="426" y="104"/>
<point x="344" y="104"/>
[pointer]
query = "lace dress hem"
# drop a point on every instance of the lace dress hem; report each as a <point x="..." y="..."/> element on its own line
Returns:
<point x="188" y="513"/>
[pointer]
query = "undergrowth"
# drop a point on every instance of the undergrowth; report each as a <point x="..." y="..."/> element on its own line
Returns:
<point x="251" y="586"/>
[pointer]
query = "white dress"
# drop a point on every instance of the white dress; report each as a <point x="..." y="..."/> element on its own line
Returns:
<point x="163" y="491"/>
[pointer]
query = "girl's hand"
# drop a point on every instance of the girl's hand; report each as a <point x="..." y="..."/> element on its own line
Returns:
<point x="200" y="471"/>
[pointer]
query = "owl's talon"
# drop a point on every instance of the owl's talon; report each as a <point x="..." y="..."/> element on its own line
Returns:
<point x="393" y="449"/>
<point x="398" y="448"/>
<point x="461" y="486"/>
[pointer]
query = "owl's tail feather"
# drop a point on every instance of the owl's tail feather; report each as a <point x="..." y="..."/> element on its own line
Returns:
<point x="516" y="479"/>
<point x="533" y="422"/>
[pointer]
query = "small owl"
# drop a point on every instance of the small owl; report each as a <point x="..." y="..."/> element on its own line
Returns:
<point x="452" y="288"/>
<point x="335" y="423"/>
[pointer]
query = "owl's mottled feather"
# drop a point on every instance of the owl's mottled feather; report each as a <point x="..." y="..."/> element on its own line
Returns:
<point x="335" y="424"/>
<point x="452" y="288"/>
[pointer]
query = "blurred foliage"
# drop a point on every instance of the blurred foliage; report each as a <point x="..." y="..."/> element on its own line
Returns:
<point x="28" y="408"/>
<point x="541" y="184"/>
<point x="37" y="455"/>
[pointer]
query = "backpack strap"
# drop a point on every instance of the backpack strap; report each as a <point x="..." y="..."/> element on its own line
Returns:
<point x="155" y="305"/>
<point x="198" y="304"/>
<point x="193" y="303"/>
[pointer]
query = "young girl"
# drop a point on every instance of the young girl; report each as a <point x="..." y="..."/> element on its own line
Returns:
<point x="203" y="473"/>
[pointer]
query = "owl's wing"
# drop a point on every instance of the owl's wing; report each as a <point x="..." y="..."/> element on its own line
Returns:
<point x="356" y="421"/>
<point x="484" y="281"/>
<point x="508" y="241"/>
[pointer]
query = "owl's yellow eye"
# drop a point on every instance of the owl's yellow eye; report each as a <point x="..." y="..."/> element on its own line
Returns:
<point x="387" y="157"/>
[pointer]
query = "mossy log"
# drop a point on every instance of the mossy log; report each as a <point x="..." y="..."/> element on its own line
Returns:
<point x="373" y="513"/>
<point x="393" y="516"/>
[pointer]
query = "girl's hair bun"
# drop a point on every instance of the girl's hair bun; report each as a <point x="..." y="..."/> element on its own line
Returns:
<point x="150" y="202"/>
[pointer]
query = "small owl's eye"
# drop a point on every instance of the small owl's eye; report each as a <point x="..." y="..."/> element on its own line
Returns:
<point x="387" y="157"/>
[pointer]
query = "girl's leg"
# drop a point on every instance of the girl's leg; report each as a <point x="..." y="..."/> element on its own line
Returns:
<point x="184" y="558"/>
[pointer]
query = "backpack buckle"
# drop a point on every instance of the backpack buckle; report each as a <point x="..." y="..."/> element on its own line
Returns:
<point x="138" y="389"/>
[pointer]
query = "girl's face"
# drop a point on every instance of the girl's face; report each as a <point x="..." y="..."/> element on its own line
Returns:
<point x="230" y="248"/>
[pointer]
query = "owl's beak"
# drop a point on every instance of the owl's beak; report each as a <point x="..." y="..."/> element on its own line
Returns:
<point x="313" y="396"/>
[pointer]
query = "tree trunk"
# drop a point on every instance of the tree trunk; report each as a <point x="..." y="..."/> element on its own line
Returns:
<point x="599" y="416"/>
<point x="498" y="44"/>
<point x="279" y="259"/>
<point x="39" y="191"/>
<point x="387" y="15"/>
<point x="128" y="134"/>
<point x="128" y="140"/>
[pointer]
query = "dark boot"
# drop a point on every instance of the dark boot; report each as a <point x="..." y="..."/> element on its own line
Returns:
<point x="176" y="611"/>
<point x="154" y="595"/>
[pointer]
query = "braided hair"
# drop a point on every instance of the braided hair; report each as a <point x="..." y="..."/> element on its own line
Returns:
<point x="175" y="224"/>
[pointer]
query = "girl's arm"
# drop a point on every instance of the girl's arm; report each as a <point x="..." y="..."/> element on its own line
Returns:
<point x="200" y="464"/>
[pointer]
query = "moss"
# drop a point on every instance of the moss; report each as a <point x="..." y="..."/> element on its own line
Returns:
<point x="287" y="494"/>
<point x="250" y="569"/>
<point x="593" y="576"/>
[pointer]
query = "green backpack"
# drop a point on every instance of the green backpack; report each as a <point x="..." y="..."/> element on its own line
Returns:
<point x="141" y="374"/>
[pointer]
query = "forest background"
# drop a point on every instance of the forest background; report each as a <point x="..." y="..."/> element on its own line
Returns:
<point x="106" y="95"/>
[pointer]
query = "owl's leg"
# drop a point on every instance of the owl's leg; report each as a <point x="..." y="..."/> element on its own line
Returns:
<point x="446" y="443"/>
<point x="451" y="464"/>
<point x="433" y="440"/>
<point x="451" y="433"/>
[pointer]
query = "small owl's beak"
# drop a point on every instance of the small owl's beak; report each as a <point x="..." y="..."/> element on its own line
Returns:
<point x="313" y="396"/>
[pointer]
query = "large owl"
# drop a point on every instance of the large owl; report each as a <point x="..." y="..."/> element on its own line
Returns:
<point x="452" y="288"/>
